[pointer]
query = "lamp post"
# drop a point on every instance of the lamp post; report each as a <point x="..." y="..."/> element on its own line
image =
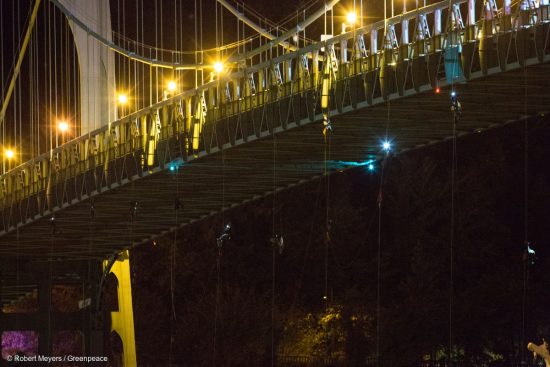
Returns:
<point x="170" y="90"/>
<point x="351" y="20"/>
<point x="9" y="155"/>
<point x="63" y="127"/>
<point x="122" y="101"/>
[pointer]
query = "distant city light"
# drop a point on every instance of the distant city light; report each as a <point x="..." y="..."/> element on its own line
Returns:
<point x="351" y="18"/>
<point x="386" y="145"/>
<point x="63" y="126"/>
<point x="218" y="67"/>
<point x="172" y="85"/>
<point x="122" y="99"/>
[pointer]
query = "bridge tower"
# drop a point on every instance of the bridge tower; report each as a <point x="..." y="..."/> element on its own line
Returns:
<point x="96" y="62"/>
<point x="98" y="108"/>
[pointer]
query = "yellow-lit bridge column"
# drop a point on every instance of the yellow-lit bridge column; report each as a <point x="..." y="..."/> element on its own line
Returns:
<point x="122" y="321"/>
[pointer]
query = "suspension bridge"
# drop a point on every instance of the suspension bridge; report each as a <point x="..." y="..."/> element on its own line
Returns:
<point x="281" y="110"/>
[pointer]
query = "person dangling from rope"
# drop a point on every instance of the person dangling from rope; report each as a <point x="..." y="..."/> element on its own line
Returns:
<point x="224" y="237"/>
<point x="456" y="107"/>
<point x="529" y="254"/>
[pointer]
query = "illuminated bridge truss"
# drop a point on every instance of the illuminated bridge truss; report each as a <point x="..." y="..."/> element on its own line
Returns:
<point x="260" y="129"/>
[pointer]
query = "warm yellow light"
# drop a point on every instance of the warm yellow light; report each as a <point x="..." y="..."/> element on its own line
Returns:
<point x="62" y="126"/>
<point x="122" y="99"/>
<point x="172" y="85"/>
<point x="351" y="18"/>
<point x="9" y="153"/>
<point x="218" y="67"/>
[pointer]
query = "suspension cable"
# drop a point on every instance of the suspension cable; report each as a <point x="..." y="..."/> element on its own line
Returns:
<point x="17" y="67"/>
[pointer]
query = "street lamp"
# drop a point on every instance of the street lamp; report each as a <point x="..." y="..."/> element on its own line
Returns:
<point x="218" y="67"/>
<point x="9" y="155"/>
<point x="351" y="18"/>
<point x="122" y="101"/>
<point x="171" y="87"/>
<point x="63" y="127"/>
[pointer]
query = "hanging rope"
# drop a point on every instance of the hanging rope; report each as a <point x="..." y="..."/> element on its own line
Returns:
<point x="220" y="241"/>
<point x="379" y="252"/>
<point x="273" y="250"/>
<point x="456" y="110"/>
<point x="173" y="248"/>
<point x="327" y="155"/>
<point x="452" y="237"/>
<point x="525" y="216"/>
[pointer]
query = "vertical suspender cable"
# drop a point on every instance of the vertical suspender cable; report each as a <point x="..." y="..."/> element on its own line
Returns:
<point x="196" y="46"/>
<point x="36" y="96"/>
<point x="55" y="71"/>
<point x="2" y="73"/>
<point x="201" y="43"/>
<point x="18" y="102"/>
<point x="273" y="250"/>
<point x="49" y="73"/>
<point x="30" y="97"/>
<point x="17" y="67"/>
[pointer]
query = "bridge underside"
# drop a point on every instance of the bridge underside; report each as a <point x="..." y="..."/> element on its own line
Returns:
<point x="160" y="201"/>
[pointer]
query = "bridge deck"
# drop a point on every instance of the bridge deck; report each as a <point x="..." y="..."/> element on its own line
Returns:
<point x="113" y="188"/>
<point x="208" y="184"/>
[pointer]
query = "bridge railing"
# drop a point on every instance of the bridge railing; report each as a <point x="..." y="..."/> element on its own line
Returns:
<point x="362" y="66"/>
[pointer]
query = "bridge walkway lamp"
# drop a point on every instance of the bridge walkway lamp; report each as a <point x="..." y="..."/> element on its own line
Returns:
<point x="122" y="102"/>
<point x="7" y="157"/>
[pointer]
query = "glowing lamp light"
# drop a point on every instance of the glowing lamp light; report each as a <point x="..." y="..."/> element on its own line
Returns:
<point x="172" y="85"/>
<point x="351" y="18"/>
<point x="370" y="167"/>
<point x="9" y="153"/>
<point x="172" y="168"/>
<point x="386" y="146"/>
<point x="122" y="99"/>
<point x="453" y="94"/>
<point x="437" y="90"/>
<point x="218" y="67"/>
<point x="63" y="126"/>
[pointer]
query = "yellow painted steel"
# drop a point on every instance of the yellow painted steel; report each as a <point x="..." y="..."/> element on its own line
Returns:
<point x="122" y="322"/>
